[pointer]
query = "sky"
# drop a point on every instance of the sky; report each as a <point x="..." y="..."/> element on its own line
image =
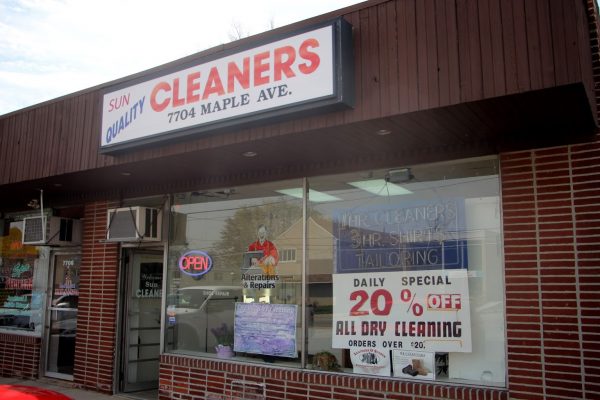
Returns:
<point x="50" y="48"/>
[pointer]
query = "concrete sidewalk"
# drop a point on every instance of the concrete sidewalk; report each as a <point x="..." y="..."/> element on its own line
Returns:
<point x="64" y="387"/>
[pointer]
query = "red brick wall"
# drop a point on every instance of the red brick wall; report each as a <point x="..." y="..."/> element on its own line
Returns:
<point x="19" y="355"/>
<point x="96" y="319"/>
<point x="190" y="378"/>
<point x="551" y="202"/>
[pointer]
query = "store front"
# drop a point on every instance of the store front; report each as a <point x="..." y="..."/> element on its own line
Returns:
<point x="40" y="289"/>
<point x="396" y="200"/>
<point x="344" y="262"/>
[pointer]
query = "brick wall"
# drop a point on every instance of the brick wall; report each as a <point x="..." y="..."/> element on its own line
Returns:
<point x="551" y="201"/>
<point x="19" y="355"/>
<point x="189" y="378"/>
<point x="96" y="319"/>
<point x="551" y="208"/>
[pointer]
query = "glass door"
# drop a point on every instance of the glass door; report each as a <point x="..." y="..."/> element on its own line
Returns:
<point x="62" y="315"/>
<point x="141" y="322"/>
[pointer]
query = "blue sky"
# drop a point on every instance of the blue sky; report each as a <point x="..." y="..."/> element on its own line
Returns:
<point x="49" y="48"/>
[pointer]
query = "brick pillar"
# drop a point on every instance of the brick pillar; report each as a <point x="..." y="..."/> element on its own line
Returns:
<point x="551" y="202"/>
<point x="95" y="349"/>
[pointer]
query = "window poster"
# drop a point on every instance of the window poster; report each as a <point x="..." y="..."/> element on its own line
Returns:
<point x="414" y="364"/>
<point x="268" y="329"/>
<point x="150" y="285"/>
<point x="259" y="266"/>
<point x="417" y="310"/>
<point x="370" y="361"/>
<point x="418" y="235"/>
<point x="66" y="275"/>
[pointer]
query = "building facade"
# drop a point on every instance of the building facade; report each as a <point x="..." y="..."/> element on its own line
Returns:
<point x="396" y="200"/>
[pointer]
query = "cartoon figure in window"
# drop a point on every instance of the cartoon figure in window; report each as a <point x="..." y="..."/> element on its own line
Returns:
<point x="270" y="257"/>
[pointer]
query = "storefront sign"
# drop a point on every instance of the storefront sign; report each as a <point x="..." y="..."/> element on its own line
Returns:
<point x="410" y="236"/>
<point x="297" y="73"/>
<point x="195" y="263"/>
<point x="268" y="329"/>
<point x="424" y="310"/>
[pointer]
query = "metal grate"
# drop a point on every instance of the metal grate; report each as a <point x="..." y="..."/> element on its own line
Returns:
<point x="33" y="230"/>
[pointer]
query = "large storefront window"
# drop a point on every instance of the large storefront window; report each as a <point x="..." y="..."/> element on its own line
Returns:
<point x="403" y="276"/>
<point x="23" y="279"/>
<point x="405" y="272"/>
<point x="231" y="285"/>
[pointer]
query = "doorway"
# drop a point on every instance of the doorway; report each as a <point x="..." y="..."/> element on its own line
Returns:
<point x="141" y="314"/>
<point x="62" y="314"/>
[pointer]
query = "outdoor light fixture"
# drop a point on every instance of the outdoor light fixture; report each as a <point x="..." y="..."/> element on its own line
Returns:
<point x="313" y="195"/>
<point x="380" y="187"/>
<point x="401" y="175"/>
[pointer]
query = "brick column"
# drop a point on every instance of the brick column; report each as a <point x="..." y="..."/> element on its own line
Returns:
<point x="551" y="202"/>
<point x="95" y="349"/>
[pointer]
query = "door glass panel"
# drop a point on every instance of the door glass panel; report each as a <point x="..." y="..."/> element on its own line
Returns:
<point x="143" y="322"/>
<point x="63" y="314"/>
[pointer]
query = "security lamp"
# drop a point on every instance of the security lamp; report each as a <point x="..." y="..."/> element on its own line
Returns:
<point x="401" y="175"/>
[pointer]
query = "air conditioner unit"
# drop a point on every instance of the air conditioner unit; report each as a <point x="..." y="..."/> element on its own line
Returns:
<point x="133" y="224"/>
<point x="53" y="231"/>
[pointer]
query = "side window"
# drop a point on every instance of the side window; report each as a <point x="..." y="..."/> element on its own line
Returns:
<point x="234" y="273"/>
<point x="22" y="282"/>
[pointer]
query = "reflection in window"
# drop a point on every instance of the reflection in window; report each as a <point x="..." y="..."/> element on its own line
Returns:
<point x="23" y="276"/>
<point x="403" y="277"/>
<point x="405" y="273"/>
<point x="288" y="255"/>
<point x="241" y="233"/>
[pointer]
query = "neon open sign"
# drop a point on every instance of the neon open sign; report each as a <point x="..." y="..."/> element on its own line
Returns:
<point x="195" y="263"/>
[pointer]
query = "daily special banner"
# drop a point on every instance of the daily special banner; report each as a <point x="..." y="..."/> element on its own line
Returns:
<point x="420" y="310"/>
<point x="296" y="70"/>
